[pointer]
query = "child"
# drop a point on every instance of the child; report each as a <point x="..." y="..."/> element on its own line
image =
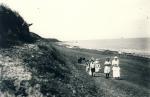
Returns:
<point x="107" y="67"/>
<point x="97" y="65"/>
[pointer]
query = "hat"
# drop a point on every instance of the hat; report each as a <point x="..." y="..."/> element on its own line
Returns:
<point x="115" y="57"/>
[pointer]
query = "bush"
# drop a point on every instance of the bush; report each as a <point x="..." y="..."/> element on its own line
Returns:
<point x="13" y="28"/>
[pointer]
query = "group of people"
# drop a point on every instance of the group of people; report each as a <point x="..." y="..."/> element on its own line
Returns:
<point x="93" y="66"/>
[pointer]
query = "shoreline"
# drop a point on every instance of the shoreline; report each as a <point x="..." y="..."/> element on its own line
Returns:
<point x="133" y="52"/>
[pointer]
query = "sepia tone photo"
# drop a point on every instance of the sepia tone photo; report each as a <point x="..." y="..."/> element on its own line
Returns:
<point x="74" y="48"/>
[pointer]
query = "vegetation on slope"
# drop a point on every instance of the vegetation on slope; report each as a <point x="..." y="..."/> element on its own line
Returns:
<point x="54" y="73"/>
<point x="13" y="28"/>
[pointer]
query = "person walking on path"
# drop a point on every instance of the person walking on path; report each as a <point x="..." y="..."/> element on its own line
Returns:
<point x="107" y="66"/>
<point x="92" y="68"/>
<point x="116" y="68"/>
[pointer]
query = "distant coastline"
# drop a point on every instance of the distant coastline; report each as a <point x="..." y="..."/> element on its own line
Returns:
<point x="137" y="51"/>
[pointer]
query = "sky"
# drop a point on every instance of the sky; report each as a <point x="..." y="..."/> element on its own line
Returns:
<point x="85" y="19"/>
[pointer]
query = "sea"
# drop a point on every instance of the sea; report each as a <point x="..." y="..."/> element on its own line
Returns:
<point x="136" y="46"/>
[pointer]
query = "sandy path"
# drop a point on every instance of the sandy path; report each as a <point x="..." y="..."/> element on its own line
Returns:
<point x="119" y="88"/>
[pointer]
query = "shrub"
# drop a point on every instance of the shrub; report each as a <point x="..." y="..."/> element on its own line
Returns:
<point x="13" y="28"/>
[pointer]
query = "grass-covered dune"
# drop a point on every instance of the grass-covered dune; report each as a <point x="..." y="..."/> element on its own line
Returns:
<point x="54" y="72"/>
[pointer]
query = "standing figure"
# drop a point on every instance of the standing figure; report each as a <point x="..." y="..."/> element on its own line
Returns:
<point x="97" y="65"/>
<point x="116" y="68"/>
<point x="87" y="66"/>
<point x="107" y="66"/>
<point x="92" y="68"/>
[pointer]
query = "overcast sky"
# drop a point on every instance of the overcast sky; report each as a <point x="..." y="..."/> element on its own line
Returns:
<point x="85" y="19"/>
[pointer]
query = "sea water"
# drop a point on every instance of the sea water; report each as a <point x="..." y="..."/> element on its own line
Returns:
<point x="138" y="46"/>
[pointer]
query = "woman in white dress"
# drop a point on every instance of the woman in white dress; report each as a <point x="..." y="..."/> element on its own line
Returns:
<point x="97" y="65"/>
<point x="116" y="68"/>
<point x="107" y="66"/>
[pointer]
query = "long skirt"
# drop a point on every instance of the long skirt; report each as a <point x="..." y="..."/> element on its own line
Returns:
<point x="87" y="68"/>
<point x="107" y="69"/>
<point x="116" y="71"/>
<point x="97" y="69"/>
<point x="90" y="72"/>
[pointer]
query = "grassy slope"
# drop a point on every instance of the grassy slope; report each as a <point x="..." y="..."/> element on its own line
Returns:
<point x="54" y="72"/>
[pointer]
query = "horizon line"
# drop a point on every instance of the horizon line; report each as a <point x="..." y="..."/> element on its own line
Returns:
<point x="107" y="38"/>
